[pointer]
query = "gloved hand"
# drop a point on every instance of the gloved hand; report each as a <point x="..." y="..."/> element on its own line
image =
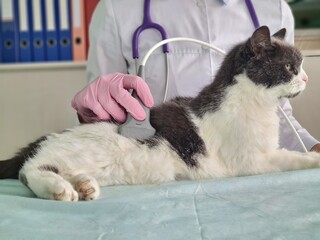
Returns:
<point x="107" y="98"/>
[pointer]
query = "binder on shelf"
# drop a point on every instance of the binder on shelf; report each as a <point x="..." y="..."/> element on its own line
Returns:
<point x="25" y="50"/>
<point x="1" y="42"/>
<point x="51" y="30"/>
<point x="37" y="31"/>
<point x="9" y="31"/>
<point x="64" y="27"/>
<point x="78" y="30"/>
<point x="90" y="6"/>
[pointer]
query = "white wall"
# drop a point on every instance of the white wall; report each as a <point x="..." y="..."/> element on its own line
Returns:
<point x="306" y="106"/>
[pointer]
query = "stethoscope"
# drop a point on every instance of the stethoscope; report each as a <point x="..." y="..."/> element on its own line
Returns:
<point x="142" y="129"/>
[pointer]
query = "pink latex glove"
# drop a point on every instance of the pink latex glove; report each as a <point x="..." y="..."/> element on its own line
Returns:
<point x="107" y="98"/>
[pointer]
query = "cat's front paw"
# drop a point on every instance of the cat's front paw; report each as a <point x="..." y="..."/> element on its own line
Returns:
<point x="87" y="187"/>
<point x="65" y="192"/>
<point x="312" y="160"/>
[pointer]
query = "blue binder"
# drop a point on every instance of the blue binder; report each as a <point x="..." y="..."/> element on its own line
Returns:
<point x="65" y="29"/>
<point x="1" y="53"/>
<point x="51" y="30"/>
<point x="24" y="10"/>
<point x="9" y="31"/>
<point x="37" y="31"/>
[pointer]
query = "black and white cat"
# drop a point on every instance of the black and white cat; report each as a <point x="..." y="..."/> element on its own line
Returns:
<point x="229" y="129"/>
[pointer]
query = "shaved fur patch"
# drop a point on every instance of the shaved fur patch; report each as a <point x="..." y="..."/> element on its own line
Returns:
<point x="49" y="168"/>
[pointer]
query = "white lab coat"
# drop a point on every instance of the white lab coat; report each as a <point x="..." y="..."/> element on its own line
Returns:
<point x="221" y="23"/>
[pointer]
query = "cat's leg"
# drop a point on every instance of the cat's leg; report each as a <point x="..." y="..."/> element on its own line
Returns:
<point x="48" y="185"/>
<point x="86" y="186"/>
<point x="285" y="160"/>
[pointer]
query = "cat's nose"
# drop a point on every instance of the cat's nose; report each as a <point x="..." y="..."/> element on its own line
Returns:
<point x="304" y="76"/>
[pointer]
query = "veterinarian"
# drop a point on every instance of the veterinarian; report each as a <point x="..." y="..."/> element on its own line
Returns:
<point x="111" y="67"/>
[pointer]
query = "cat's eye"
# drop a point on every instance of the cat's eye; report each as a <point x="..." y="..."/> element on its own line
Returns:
<point x="291" y="69"/>
<point x="288" y="66"/>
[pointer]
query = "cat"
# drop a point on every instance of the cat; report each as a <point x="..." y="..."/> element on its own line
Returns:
<point x="231" y="128"/>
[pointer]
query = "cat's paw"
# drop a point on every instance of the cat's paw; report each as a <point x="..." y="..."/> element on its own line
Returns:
<point x="86" y="186"/>
<point x="315" y="156"/>
<point x="65" y="192"/>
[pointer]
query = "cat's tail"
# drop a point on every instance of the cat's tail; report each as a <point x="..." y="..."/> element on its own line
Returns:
<point x="10" y="168"/>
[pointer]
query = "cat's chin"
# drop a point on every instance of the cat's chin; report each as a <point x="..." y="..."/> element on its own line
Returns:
<point x="292" y="95"/>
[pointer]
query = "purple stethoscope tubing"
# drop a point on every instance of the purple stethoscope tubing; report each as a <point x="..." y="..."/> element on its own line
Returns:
<point x="253" y="14"/>
<point x="147" y="24"/>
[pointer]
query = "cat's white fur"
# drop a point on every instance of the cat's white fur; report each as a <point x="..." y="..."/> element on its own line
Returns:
<point x="241" y="138"/>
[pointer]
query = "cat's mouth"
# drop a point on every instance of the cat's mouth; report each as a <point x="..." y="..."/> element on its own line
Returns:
<point x="292" y="95"/>
<point x="296" y="87"/>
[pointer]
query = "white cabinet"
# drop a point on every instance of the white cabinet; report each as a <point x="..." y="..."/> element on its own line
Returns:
<point x="35" y="100"/>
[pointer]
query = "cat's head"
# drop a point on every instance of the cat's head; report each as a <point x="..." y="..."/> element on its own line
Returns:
<point x="274" y="63"/>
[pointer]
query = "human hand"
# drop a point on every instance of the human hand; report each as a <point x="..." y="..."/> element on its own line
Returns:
<point x="316" y="148"/>
<point x="108" y="97"/>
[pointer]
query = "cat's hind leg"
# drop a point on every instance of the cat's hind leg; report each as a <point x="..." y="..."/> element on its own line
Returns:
<point x="47" y="184"/>
<point x="86" y="186"/>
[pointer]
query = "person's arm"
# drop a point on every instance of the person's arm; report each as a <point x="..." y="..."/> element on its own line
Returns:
<point x="287" y="138"/>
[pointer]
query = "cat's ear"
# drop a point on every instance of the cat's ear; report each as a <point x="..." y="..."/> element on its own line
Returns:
<point x="280" y="34"/>
<point x="260" y="41"/>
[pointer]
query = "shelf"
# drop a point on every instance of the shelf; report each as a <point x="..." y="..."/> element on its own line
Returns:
<point x="311" y="53"/>
<point x="313" y="33"/>
<point x="42" y="65"/>
<point x="308" y="40"/>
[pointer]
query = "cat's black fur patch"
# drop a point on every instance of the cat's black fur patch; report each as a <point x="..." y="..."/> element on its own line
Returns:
<point x="10" y="168"/>
<point x="181" y="133"/>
